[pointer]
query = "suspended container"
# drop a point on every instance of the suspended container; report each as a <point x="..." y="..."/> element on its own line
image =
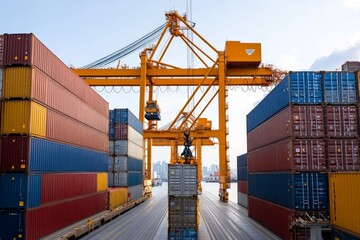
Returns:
<point x="289" y="155"/>
<point x="296" y="87"/>
<point x="30" y="154"/>
<point x="306" y="191"/>
<point x="297" y="121"/>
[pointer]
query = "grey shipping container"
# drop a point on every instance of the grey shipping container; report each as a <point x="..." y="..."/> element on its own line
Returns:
<point x="182" y="180"/>
<point x="135" y="192"/>
<point x="183" y="212"/>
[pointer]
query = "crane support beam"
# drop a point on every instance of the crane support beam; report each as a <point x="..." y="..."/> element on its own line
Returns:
<point x="176" y="82"/>
<point x="175" y="135"/>
<point x="178" y="72"/>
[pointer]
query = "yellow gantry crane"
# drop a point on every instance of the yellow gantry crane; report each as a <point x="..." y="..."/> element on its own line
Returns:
<point x="238" y="65"/>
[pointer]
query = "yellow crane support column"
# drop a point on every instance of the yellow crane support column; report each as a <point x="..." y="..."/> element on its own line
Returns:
<point x="199" y="163"/>
<point x="174" y="151"/>
<point x="223" y="165"/>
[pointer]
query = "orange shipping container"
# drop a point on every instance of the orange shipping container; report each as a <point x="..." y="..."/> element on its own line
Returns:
<point x="23" y="117"/>
<point x="117" y="197"/>
<point x="344" y="201"/>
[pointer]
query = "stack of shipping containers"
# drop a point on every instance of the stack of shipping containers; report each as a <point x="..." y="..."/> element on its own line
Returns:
<point x="242" y="180"/>
<point x="303" y="128"/>
<point x="54" y="131"/>
<point x="183" y="202"/>
<point x="343" y="157"/>
<point x="125" y="161"/>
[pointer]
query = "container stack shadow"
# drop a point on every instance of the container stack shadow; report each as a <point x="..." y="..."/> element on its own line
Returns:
<point x="306" y="127"/>
<point x="54" y="131"/>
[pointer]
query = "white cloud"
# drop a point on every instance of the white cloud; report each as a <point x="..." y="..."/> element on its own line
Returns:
<point x="355" y="4"/>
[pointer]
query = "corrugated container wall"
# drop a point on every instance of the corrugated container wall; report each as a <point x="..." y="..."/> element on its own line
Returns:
<point x="1" y="51"/>
<point x="28" y="154"/>
<point x="124" y="163"/>
<point x="301" y="121"/>
<point x="39" y="222"/>
<point x="344" y="201"/>
<point x="289" y="155"/>
<point x="24" y="117"/>
<point x="183" y="212"/>
<point x="102" y="182"/>
<point x="300" y="191"/>
<point x="296" y="87"/>
<point x="341" y="121"/>
<point x="125" y="116"/>
<point x="305" y="88"/>
<point x="339" y="87"/>
<point x="135" y="192"/>
<point x="343" y="155"/>
<point x="117" y="197"/>
<point x="182" y="180"/>
<point x="31" y="83"/>
<point x="264" y="212"/>
<point x="26" y="50"/>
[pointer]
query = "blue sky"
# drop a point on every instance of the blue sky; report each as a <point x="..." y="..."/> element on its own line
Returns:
<point x="295" y="35"/>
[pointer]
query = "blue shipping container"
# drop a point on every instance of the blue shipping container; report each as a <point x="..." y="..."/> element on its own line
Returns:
<point x="14" y="222"/>
<point x="48" y="156"/>
<point x="340" y="235"/>
<point x="298" y="191"/>
<point x="242" y="174"/>
<point x="242" y="160"/>
<point x="339" y="87"/>
<point x="182" y="234"/>
<point x="20" y="190"/>
<point x="124" y="163"/>
<point x="296" y="87"/>
<point x="126" y="116"/>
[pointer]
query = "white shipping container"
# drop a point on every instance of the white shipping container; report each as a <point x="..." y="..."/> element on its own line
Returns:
<point x="243" y="199"/>
<point x="135" y="137"/>
<point x="120" y="179"/>
<point x="125" y="147"/>
<point x="135" y="192"/>
<point x="110" y="164"/>
<point x="111" y="148"/>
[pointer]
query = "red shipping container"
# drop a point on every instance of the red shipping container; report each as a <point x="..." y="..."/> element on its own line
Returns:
<point x="14" y="153"/>
<point x="289" y="155"/>
<point x="341" y="121"/>
<point x="1" y="51"/>
<point x="294" y="121"/>
<point x="45" y="220"/>
<point x="274" y="217"/>
<point x="243" y="187"/>
<point x="64" y="129"/>
<point x="120" y="131"/>
<point x="26" y="49"/>
<point x="343" y="154"/>
<point x="60" y="186"/>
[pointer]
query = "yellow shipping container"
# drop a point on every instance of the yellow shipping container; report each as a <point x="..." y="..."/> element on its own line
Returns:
<point x="117" y="197"/>
<point x="345" y="200"/>
<point x="23" y="117"/>
<point x="18" y="82"/>
<point x="102" y="182"/>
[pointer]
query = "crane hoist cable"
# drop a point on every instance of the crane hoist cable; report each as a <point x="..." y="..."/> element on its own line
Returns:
<point x="127" y="49"/>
